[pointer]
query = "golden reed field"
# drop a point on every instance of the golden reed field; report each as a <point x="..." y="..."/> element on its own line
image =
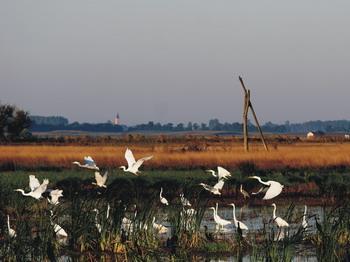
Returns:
<point x="175" y="156"/>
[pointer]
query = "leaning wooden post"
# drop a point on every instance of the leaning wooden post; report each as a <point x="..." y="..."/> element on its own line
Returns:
<point x="245" y="116"/>
<point x="259" y="128"/>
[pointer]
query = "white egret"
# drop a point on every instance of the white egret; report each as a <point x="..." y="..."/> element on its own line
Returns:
<point x="243" y="192"/>
<point x="163" y="200"/>
<point x="218" y="220"/>
<point x="100" y="180"/>
<point x="98" y="225"/>
<point x="235" y="221"/>
<point x="221" y="173"/>
<point x="11" y="232"/>
<point x="279" y="221"/>
<point x="159" y="227"/>
<point x="36" y="191"/>
<point x="214" y="189"/>
<point x="133" y="165"/>
<point x="304" y="223"/>
<point x="55" y="195"/>
<point x="274" y="188"/>
<point x="89" y="163"/>
<point x="61" y="234"/>
<point x="184" y="200"/>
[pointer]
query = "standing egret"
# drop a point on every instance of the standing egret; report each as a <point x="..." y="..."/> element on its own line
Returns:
<point x="11" y="232"/>
<point x="159" y="227"/>
<point x="184" y="200"/>
<point x="279" y="221"/>
<point x="98" y="225"/>
<point x="133" y="165"/>
<point x="89" y="163"/>
<point x="274" y="188"/>
<point x="218" y="220"/>
<point x="304" y="223"/>
<point x="100" y="180"/>
<point x="163" y="200"/>
<point x="37" y="192"/>
<point x="243" y="192"/>
<point x="55" y="195"/>
<point x="236" y="222"/>
<point x="214" y="189"/>
<point x="222" y="173"/>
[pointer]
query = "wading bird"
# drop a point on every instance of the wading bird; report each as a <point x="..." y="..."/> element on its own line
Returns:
<point x="163" y="200"/>
<point x="214" y="189"/>
<point x="11" y="232"/>
<point x="220" y="222"/>
<point x="133" y="165"/>
<point x="235" y="221"/>
<point x="222" y="173"/>
<point x="36" y="188"/>
<point x="274" y="188"/>
<point x="279" y="221"/>
<point x="89" y="163"/>
<point x="304" y="223"/>
<point x="159" y="227"/>
<point x="243" y="192"/>
<point x="184" y="200"/>
<point x="100" y="180"/>
<point x="55" y="195"/>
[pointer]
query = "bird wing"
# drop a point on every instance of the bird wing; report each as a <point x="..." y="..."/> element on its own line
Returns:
<point x="56" y="193"/>
<point x="219" y="185"/>
<point x="140" y="161"/>
<point x="89" y="161"/>
<point x="222" y="172"/>
<point x="33" y="182"/>
<point x="274" y="190"/>
<point x="129" y="157"/>
<point x="98" y="177"/>
<point x="42" y="188"/>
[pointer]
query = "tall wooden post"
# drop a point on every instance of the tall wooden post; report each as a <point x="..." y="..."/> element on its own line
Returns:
<point x="246" y="106"/>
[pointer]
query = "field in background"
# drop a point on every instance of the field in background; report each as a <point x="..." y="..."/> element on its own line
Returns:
<point x="178" y="155"/>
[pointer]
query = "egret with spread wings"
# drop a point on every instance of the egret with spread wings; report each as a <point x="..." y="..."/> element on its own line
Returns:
<point x="133" y="165"/>
<point x="274" y="188"/>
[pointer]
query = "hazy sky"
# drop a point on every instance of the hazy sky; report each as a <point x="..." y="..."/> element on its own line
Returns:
<point x="176" y="61"/>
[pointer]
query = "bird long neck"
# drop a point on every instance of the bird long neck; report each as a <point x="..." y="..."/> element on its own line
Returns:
<point x="304" y="216"/>
<point x="23" y="193"/>
<point x="160" y="193"/>
<point x="274" y="212"/>
<point x="8" y="222"/>
<point x="241" y="188"/>
<point x="234" y="214"/>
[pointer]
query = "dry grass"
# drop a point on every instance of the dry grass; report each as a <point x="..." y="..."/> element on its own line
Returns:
<point x="176" y="156"/>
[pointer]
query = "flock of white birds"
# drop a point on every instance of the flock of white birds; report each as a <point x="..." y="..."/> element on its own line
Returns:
<point x="270" y="188"/>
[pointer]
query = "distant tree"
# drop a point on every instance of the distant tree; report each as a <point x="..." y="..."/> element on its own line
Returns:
<point x="14" y="122"/>
<point x="195" y="126"/>
<point x="189" y="126"/>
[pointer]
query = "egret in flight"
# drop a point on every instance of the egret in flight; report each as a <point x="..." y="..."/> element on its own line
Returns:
<point x="36" y="188"/>
<point x="55" y="195"/>
<point x="133" y="165"/>
<point x="163" y="200"/>
<point x="214" y="189"/>
<point x="279" y="221"/>
<point x="274" y="188"/>
<point x="11" y="232"/>
<point x="222" y="173"/>
<point x="89" y="163"/>
<point x="235" y="221"/>
<point x="100" y="180"/>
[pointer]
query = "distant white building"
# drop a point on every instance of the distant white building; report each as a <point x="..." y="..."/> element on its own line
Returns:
<point x="117" y="120"/>
<point x="310" y="135"/>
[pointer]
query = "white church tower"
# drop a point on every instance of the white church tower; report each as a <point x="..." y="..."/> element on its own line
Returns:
<point x="117" y="120"/>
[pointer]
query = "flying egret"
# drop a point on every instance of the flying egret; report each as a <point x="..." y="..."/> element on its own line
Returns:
<point x="184" y="200"/>
<point x="133" y="165"/>
<point x="274" y="188"/>
<point x="89" y="163"/>
<point x="222" y="173"/>
<point x="11" y="232"/>
<point x="100" y="180"/>
<point x="243" y="192"/>
<point x="98" y="225"/>
<point x="55" y="195"/>
<point x="279" y="221"/>
<point x="304" y="223"/>
<point x="163" y="200"/>
<point x="214" y="189"/>
<point x="218" y="220"/>
<point x="38" y="190"/>
<point x="235" y="221"/>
